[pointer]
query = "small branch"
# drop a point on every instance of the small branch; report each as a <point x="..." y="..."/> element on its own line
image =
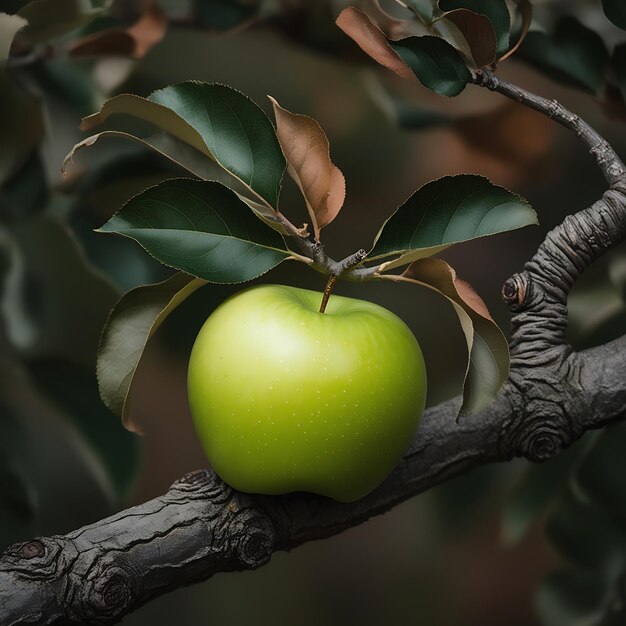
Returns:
<point x="346" y="269"/>
<point x="607" y="159"/>
<point x="351" y="261"/>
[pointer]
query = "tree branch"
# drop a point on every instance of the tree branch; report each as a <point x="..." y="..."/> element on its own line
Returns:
<point x="608" y="161"/>
<point x="201" y="526"/>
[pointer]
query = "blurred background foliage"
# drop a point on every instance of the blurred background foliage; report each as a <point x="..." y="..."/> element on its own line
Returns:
<point x="511" y="544"/>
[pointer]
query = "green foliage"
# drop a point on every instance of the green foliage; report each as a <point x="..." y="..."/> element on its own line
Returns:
<point x="450" y="210"/>
<point x="572" y="54"/>
<point x="215" y="121"/>
<point x="73" y="389"/>
<point x="584" y="494"/>
<point x="26" y="191"/>
<point x="235" y="131"/>
<point x="223" y="14"/>
<point x="207" y="231"/>
<point x="572" y="598"/>
<point x="202" y="228"/>
<point x="616" y="11"/>
<point x="435" y="62"/>
<point x="23" y="126"/>
<point x="597" y="306"/>
<point x="131" y="324"/>
<point x="426" y="10"/>
<point x="534" y="492"/>
<point x="50" y="19"/>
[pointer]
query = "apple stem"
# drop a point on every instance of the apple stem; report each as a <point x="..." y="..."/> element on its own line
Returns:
<point x="327" y="291"/>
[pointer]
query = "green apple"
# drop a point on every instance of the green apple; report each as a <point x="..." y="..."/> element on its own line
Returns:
<point x="285" y="398"/>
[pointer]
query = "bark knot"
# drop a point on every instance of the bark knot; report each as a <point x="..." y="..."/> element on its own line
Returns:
<point x="538" y="436"/>
<point x="112" y="593"/>
<point x="31" y="550"/>
<point x="516" y="291"/>
<point x="257" y="549"/>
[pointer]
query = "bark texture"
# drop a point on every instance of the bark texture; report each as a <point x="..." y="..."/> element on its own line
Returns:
<point x="201" y="526"/>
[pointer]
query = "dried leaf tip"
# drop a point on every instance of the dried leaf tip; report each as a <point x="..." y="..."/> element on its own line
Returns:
<point x="307" y="151"/>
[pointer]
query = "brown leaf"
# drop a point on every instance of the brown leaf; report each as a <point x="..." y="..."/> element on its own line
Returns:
<point x="359" y="27"/>
<point x="442" y="276"/>
<point x="488" y="355"/>
<point x="470" y="297"/>
<point x="393" y="27"/>
<point x="478" y="33"/>
<point x="135" y="41"/>
<point x="308" y="154"/>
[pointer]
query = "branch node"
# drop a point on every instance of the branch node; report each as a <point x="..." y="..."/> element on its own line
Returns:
<point x="31" y="550"/>
<point x="351" y="261"/>
<point x="516" y="291"/>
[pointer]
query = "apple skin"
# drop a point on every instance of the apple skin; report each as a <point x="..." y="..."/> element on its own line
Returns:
<point x="285" y="398"/>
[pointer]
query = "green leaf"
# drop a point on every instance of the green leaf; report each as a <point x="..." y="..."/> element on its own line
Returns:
<point x="599" y="472"/>
<point x="424" y="9"/>
<point x="571" y="597"/>
<point x="448" y="211"/>
<point x="49" y="19"/>
<point x="22" y="126"/>
<point x="435" y="62"/>
<point x="584" y="533"/>
<point x="532" y="495"/>
<point x="52" y="292"/>
<point x="618" y="65"/>
<point x="74" y="390"/>
<point x="236" y="131"/>
<point x="495" y="11"/>
<point x="9" y="25"/>
<point x="597" y="304"/>
<point x="26" y="192"/>
<point x="400" y="110"/>
<point x="488" y="353"/>
<point x="216" y="120"/>
<point x="194" y="161"/>
<point x="223" y="15"/>
<point x="573" y="54"/>
<point x="615" y="10"/>
<point x="202" y="228"/>
<point x="61" y="482"/>
<point x="68" y="83"/>
<point x="131" y="324"/>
